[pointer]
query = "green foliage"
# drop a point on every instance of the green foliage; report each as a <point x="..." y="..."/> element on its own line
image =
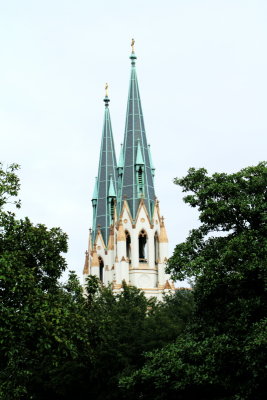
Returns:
<point x="9" y="185"/>
<point x="123" y="327"/>
<point x="222" y="353"/>
<point x="231" y="269"/>
<point x="57" y="343"/>
<point x="41" y="340"/>
<point x="168" y="319"/>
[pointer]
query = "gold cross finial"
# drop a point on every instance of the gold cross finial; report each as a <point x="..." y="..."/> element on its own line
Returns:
<point x="106" y="89"/>
<point x="132" y="44"/>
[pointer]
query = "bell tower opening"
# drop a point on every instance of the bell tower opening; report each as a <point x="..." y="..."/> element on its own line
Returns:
<point x="101" y="269"/>
<point x="128" y="245"/>
<point x="142" y="247"/>
<point x="156" y="247"/>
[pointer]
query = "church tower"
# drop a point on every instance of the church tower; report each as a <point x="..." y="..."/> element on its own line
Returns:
<point x="128" y="240"/>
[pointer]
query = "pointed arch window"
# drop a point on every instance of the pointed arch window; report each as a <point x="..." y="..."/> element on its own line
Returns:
<point x="101" y="269"/>
<point x="156" y="247"/>
<point x="128" y="245"/>
<point x="142" y="239"/>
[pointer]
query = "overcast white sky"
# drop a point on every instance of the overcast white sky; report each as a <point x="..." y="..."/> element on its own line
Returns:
<point x="202" y="71"/>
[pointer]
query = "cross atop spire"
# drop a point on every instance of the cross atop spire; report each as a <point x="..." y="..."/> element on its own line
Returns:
<point x="132" y="44"/>
<point x="133" y="56"/>
<point x="106" y="99"/>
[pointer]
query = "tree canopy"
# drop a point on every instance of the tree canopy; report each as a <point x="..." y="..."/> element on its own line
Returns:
<point x="56" y="342"/>
<point x="40" y="331"/>
<point x="222" y="353"/>
<point x="205" y="343"/>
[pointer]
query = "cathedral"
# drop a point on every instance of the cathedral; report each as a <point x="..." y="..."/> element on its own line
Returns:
<point x="128" y="240"/>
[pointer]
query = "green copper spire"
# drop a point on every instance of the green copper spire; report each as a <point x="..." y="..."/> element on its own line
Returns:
<point x="106" y="186"/>
<point x="137" y="178"/>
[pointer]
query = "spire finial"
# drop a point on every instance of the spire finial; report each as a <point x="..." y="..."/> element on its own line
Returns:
<point x="106" y="99"/>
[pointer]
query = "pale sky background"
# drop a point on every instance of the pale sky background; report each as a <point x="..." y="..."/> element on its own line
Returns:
<point x="202" y="71"/>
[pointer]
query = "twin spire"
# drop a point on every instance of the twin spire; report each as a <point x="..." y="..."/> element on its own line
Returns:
<point x="132" y="178"/>
<point x="105" y="190"/>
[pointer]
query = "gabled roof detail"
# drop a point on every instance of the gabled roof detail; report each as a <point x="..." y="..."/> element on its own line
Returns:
<point x="125" y="207"/>
<point x="141" y="206"/>
<point x="107" y="178"/>
<point x="99" y="238"/>
<point x="135" y="133"/>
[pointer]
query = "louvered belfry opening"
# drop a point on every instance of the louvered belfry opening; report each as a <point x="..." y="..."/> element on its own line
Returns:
<point x="142" y="247"/>
<point x="101" y="269"/>
<point x="128" y="245"/>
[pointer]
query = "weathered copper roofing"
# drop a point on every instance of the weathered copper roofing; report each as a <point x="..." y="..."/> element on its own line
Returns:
<point x="135" y="149"/>
<point x="106" y="184"/>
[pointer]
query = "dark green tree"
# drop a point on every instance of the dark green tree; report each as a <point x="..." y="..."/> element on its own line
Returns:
<point x="57" y="343"/>
<point x="42" y="325"/>
<point x="123" y="327"/>
<point x="222" y="355"/>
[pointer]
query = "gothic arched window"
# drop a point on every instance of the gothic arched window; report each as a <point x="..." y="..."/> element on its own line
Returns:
<point x="142" y="246"/>
<point x="101" y="269"/>
<point x="156" y="247"/>
<point x="128" y="245"/>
